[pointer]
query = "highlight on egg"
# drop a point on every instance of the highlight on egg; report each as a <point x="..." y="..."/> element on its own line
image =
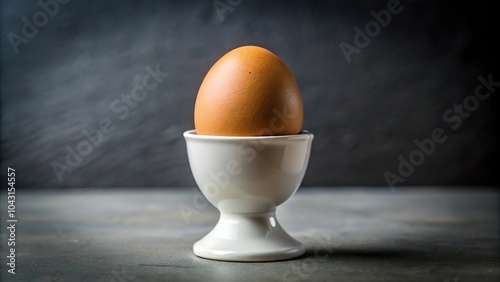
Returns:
<point x="249" y="92"/>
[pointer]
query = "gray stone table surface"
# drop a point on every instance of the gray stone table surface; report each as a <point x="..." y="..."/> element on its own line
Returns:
<point x="351" y="234"/>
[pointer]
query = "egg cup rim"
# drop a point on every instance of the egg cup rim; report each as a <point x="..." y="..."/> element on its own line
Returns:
<point x="303" y="134"/>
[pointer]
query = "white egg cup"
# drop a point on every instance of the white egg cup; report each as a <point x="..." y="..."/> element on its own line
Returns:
<point x="246" y="178"/>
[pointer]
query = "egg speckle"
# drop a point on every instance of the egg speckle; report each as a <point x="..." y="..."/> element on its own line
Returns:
<point x="248" y="92"/>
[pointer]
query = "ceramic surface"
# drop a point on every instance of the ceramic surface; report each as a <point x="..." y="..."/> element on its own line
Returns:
<point x="246" y="178"/>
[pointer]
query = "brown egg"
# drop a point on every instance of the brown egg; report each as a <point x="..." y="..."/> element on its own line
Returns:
<point x="248" y="92"/>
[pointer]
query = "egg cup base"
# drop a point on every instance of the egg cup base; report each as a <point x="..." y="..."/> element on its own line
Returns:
<point x="248" y="238"/>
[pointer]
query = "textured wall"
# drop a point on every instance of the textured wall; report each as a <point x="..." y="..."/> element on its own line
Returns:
<point x="69" y="75"/>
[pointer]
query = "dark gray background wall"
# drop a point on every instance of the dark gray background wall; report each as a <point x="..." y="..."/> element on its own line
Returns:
<point x="364" y="114"/>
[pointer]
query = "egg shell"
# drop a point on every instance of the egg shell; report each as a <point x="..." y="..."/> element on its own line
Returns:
<point x="249" y="92"/>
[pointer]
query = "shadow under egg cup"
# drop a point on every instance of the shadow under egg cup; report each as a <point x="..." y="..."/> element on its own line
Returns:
<point x="246" y="178"/>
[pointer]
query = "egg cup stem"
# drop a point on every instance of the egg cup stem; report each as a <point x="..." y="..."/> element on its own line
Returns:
<point x="248" y="237"/>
